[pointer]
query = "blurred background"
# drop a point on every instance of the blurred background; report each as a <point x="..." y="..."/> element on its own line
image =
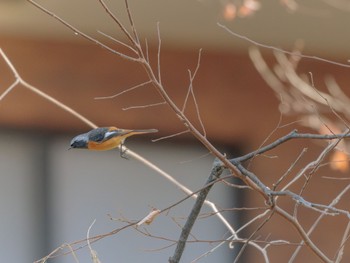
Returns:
<point x="50" y="196"/>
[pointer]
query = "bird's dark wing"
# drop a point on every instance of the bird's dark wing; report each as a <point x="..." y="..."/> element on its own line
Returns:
<point x="98" y="135"/>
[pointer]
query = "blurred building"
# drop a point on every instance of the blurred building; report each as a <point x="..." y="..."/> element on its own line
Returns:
<point x="50" y="196"/>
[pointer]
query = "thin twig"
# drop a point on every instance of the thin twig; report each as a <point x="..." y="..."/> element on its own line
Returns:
<point x="158" y="54"/>
<point x="10" y="88"/>
<point x="345" y="238"/>
<point x="144" y="106"/>
<point x="124" y="91"/>
<point x="117" y="41"/>
<point x="170" y="136"/>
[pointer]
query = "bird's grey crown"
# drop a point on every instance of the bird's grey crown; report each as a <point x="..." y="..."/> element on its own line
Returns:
<point x="79" y="141"/>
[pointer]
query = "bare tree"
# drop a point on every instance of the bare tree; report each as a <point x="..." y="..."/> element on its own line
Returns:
<point x="296" y="92"/>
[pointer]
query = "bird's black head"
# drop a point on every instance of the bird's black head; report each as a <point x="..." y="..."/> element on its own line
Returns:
<point x="79" y="142"/>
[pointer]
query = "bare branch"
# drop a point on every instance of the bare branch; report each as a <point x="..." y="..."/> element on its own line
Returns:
<point x="215" y="174"/>
<point x="10" y="88"/>
<point x="170" y="136"/>
<point x="158" y="53"/>
<point x="124" y="91"/>
<point x="144" y="106"/>
<point x="345" y="238"/>
<point x="118" y="41"/>
<point x="292" y="135"/>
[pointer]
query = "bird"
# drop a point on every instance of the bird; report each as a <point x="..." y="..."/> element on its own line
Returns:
<point x="104" y="138"/>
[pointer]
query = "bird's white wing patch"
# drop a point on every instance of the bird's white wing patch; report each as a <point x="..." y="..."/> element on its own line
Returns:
<point x="110" y="134"/>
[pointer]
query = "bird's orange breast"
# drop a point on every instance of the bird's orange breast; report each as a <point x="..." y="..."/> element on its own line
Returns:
<point x="106" y="145"/>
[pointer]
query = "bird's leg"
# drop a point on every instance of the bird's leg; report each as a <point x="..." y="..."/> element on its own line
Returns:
<point x="123" y="152"/>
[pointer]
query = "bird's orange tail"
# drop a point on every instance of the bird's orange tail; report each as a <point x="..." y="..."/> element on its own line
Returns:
<point x="144" y="131"/>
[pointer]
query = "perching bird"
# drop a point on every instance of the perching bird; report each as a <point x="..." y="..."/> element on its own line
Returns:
<point x="105" y="138"/>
